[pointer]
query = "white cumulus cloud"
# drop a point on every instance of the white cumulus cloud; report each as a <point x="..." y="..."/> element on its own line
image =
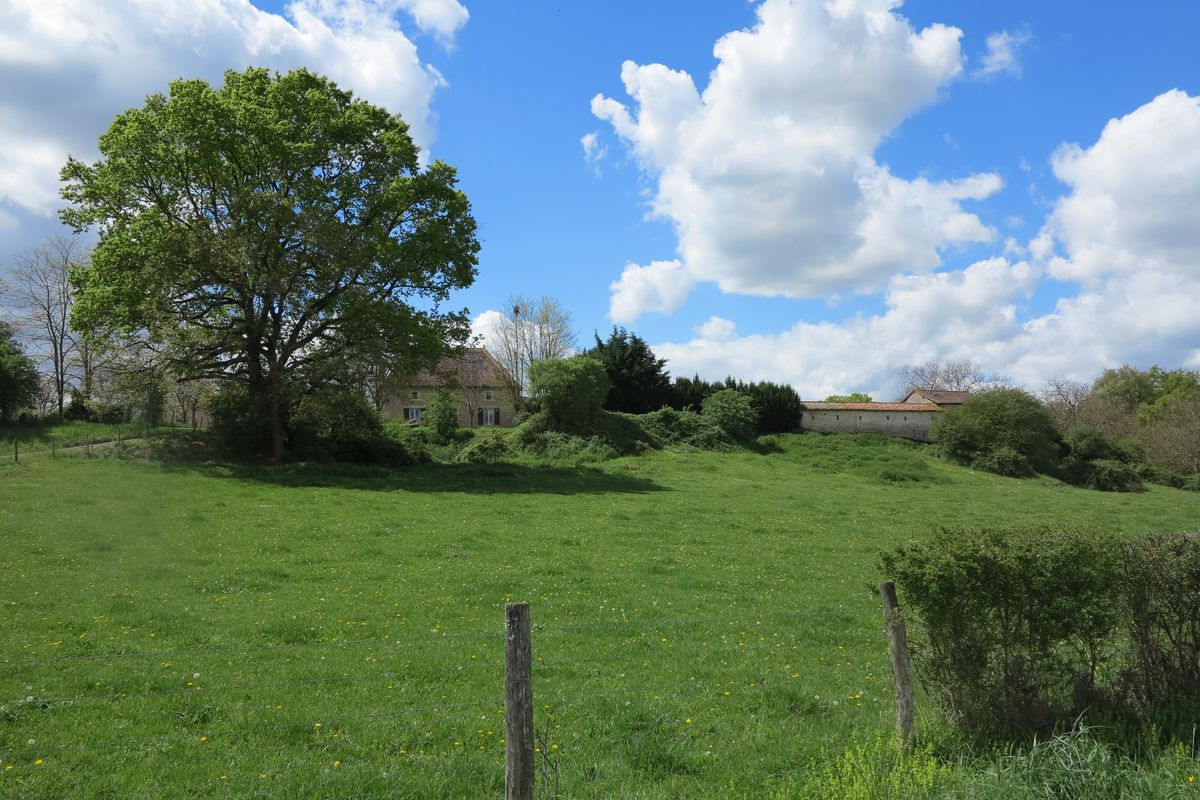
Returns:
<point x="1125" y="234"/>
<point x="67" y="67"/>
<point x="659" y="286"/>
<point x="768" y="173"/>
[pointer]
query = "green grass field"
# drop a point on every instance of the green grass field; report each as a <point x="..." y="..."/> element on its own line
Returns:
<point x="703" y="622"/>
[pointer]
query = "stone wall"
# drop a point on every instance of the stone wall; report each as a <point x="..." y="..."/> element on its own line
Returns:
<point x="906" y="424"/>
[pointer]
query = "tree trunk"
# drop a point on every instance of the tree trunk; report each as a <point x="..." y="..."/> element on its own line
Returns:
<point x="277" y="448"/>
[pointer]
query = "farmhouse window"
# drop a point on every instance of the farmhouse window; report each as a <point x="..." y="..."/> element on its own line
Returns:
<point x="413" y="414"/>
<point x="489" y="417"/>
<point x="413" y="395"/>
<point x="487" y="395"/>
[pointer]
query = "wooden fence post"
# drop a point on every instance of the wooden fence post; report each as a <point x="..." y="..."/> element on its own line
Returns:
<point x="16" y="452"/>
<point x="898" y="653"/>
<point x="518" y="703"/>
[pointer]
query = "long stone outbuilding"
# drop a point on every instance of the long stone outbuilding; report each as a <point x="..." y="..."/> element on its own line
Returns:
<point x="906" y="420"/>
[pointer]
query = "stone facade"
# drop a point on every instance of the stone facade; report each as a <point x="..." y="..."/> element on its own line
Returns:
<point x="479" y="384"/>
<point x="906" y="420"/>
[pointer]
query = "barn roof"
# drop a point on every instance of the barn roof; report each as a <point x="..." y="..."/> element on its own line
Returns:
<point x="914" y="407"/>
<point x="942" y="397"/>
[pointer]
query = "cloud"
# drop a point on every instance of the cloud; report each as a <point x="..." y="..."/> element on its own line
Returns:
<point x="1124" y="234"/>
<point x="716" y="329"/>
<point x="1002" y="53"/>
<point x="768" y="174"/>
<point x="67" y="67"/>
<point x="1134" y="195"/>
<point x="594" y="151"/>
<point x="659" y="286"/>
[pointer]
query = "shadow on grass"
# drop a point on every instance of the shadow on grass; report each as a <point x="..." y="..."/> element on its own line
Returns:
<point x="466" y="478"/>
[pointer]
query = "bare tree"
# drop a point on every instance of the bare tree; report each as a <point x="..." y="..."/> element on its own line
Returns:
<point x="528" y="331"/>
<point x="1173" y="441"/>
<point x="1064" y="398"/>
<point x="961" y="375"/>
<point x="44" y="295"/>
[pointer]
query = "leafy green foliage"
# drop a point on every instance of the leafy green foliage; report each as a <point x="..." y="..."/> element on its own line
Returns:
<point x="19" y="381"/>
<point x="995" y="419"/>
<point x="1162" y="582"/>
<point x="856" y="397"/>
<point x="732" y="412"/>
<point x="669" y="427"/>
<point x="1015" y="622"/>
<point x="336" y="422"/>
<point x="1026" y="629"/>
<point x="778" y="404"/>
<point x="268" y="233"/>
<point x="442" y="414"/>
<point x="638" y="382"/>
<point x="569" y="391"/>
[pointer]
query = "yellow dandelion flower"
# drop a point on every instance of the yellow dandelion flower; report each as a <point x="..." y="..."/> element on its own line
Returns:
<point x="687" y="721"/>
<point x="39" y="762"/>
<point x="337" y="763"/>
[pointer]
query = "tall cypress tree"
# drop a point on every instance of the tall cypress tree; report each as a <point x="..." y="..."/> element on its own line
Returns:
<point x="639" y="381"/>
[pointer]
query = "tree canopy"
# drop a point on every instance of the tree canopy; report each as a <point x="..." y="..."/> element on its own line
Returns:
<point x="19" y="379"/>
<point x="267" y="231"/>
<point x="638" y="380"/>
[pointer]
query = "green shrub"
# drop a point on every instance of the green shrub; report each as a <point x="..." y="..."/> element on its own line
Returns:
<point x="669" y="427"/>
<point x="1105" y="475"/>
<point x="570" y="391"/>
<point x="568" y="449"/>
<point x="236" y="425"/>
<point x="338" y="423"/>
<point x="442" y="414"/>
<point x="995" y="419"/>
<point x="732" y="412"/>
<point x="487" y="449"/>
<point x="1015" y="622"/>
<point x="1162" y="584"/>
<point x="1003" y="461"/>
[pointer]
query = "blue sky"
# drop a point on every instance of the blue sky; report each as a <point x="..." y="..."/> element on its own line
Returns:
<point x="863" y="184"/>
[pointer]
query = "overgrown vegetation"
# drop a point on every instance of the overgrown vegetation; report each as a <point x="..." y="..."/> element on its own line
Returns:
<point x="1025" y="630"/>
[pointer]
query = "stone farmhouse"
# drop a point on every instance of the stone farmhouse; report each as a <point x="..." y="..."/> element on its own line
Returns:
<point x="480" y="385"/>
<point x="911" y="418"/>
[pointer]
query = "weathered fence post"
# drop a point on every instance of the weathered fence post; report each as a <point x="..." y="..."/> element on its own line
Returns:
<point x="518" y="703"/>
<point x="898" y="653"/>
<point x="16" y="452"/>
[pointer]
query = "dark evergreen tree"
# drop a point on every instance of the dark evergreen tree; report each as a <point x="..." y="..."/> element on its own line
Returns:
<point x="638" y="381"/>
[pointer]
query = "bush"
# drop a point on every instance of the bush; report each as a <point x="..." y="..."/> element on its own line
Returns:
<point x="999" y="418"/>
<point x="1003" y="461"/>
<point x="1027" y="629"/>
<point x="442" y="414"/>
<point x="485" y="450"/>
<point x="1105" y="475"/>
<point x="732" y="412"/>
<point x="236" y="425"/>
<point x="1015" y="622"/>
<point x="565" y="448"/>
<point x="1162" y="580"/>
<point x="669" y="427"/>
<point x="570" y="391"/>
<point x="338" y="423"/>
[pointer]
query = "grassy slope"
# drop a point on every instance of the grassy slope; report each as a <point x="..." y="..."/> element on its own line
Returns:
<point x="703" y="625"/>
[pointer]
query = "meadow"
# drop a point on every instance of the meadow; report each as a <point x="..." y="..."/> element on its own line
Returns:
<point x="704" y="623"/>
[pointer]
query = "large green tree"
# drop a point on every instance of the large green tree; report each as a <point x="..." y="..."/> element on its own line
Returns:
<point x="268" y="230"/>
<point x="19" y="379"/>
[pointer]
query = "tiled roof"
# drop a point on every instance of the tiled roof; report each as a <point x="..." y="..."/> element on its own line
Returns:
<point x="944" y="398"/>
<point x="807" y="406"/>
<point x="473" y="366"/>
